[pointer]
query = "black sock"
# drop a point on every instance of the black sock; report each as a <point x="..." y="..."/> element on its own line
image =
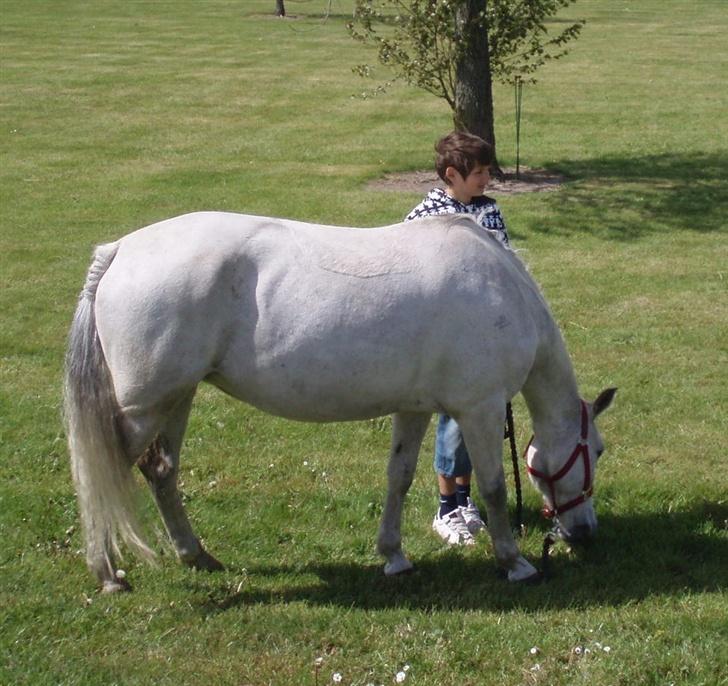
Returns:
<point x="462" y="492"/>
<point x="448" y="503"/>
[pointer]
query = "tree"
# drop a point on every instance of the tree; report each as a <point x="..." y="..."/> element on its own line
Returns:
<point x="455" y="48"/>
<point x="280" y="9"/>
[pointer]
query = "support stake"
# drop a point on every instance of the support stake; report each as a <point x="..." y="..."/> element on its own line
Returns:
<point x="519" y="98"/>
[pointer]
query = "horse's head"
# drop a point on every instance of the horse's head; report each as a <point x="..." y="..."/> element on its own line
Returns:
<point x="563" y="469"/>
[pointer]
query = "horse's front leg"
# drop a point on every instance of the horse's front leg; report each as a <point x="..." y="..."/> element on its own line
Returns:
<point x="408" y="430"/>
<point x="483" y="433"/>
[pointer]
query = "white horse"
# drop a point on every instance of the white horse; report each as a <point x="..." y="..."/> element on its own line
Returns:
<point x="321" y="324"/>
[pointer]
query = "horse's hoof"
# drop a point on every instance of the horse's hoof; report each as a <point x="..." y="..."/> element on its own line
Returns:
<point x="523" y="572"/>
<point x="399" y="565"/>
<point x="205" y="562"/>
<point x="533" y="580"/>
<point x="116" y="586"/>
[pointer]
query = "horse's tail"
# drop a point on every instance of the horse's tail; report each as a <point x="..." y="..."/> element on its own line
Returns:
<point x="102" y="470"/>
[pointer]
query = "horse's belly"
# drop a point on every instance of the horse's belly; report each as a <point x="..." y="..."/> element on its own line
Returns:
<point x="334" y="380"/>
<point x="311" y="405"/>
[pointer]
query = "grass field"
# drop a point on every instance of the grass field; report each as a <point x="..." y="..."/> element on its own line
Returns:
<point x="115" y="115"/>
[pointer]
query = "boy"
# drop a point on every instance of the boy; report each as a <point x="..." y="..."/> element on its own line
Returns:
<point x="462" y="162"/>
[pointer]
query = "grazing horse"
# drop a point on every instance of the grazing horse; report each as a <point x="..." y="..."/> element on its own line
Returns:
<point x="320" y="324"/>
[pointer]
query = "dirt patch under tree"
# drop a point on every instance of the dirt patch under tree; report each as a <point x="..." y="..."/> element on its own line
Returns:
<point x="528" y="181"/>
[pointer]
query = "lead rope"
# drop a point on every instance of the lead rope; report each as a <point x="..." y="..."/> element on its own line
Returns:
<point x="510" y="434"/>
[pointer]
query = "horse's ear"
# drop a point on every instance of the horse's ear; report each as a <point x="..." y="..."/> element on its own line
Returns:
<point x="603" y="401"/>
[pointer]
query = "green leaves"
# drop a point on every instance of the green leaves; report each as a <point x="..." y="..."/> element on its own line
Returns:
<point x="423" y="40"/>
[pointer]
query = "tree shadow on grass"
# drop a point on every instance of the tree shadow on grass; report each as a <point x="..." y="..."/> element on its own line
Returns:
<point x="634" y="558"/>
<point x="626" y="198"/>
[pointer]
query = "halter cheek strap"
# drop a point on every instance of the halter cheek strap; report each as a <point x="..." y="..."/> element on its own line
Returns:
<point x="581" y="450"/>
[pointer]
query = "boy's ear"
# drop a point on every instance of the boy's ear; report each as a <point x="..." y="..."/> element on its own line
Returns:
<point x="451" y="175"/>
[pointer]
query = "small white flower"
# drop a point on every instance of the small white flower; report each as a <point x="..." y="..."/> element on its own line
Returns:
<point x="305" y="464"/>
<point x="336" y="678"/>
<point x="120" y="574"/>
<point x="607" y="649"/>
<point x="401" y="676"/>
<point x="318" y="662"/>
<point x="406" y="668"/>
<point x="536" y="668"/>
<point x="534" y="650"/>
<point x="577" y="650"/>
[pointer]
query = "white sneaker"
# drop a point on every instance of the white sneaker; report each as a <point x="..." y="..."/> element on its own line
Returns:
<point x="452" y="528"/>
<point x="472" y="517"/>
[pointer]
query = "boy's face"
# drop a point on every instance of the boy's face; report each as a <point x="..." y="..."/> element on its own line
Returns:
<point x="473" y="185"/>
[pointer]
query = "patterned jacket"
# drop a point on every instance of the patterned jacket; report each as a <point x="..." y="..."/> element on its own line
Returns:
<point x="484" y="209"/>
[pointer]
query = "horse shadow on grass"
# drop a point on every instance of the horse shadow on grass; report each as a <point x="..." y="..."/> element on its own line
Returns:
<point x="625" y="198"/>
<point x="633" y="558"/>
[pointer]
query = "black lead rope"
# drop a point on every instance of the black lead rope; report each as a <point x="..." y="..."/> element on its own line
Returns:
<point x="510" y="434"/>
<point x="548" y="541"/>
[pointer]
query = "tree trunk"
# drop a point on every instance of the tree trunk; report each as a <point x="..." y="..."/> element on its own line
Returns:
<point x="280" y="9"/>
<point x="473" y="83"/>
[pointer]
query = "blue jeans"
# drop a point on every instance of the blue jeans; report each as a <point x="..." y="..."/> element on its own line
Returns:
<point x="451" y="455"/>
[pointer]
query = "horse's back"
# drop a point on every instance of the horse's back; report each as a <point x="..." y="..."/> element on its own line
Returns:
<point x="204" y="240"/>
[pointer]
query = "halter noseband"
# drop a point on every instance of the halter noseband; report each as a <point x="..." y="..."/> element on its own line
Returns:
<point x="582" y="449"/>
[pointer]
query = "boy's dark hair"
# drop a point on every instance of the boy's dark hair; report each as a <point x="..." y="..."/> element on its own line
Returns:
<point x="462" y="151"/>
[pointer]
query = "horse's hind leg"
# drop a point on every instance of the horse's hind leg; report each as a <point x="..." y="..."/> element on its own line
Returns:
<point x="160" y="466"/>
<point x="408" y="430"/>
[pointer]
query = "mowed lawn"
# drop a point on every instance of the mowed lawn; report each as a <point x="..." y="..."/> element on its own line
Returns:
<point x="114" y="115"/>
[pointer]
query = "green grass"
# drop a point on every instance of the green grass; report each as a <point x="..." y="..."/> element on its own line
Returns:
<point x="115" y="115"/>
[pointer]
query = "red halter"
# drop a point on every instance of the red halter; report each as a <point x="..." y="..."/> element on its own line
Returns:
<point x="582" y="449"/>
